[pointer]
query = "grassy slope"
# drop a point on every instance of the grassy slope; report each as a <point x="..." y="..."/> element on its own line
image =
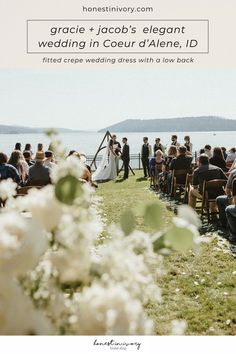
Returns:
<point x="207" y="307"/>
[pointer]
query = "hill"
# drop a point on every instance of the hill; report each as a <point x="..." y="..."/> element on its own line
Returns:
<point x="14" y="129"/>
<point x="186" y="124"/>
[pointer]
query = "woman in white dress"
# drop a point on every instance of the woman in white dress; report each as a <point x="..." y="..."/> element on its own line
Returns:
<point x="107" y="168"/>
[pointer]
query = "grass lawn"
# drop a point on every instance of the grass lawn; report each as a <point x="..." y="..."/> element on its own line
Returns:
<point x="199" y="288"/>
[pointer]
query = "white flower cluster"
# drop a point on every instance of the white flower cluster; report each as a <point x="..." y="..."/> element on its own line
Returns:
<point x="55" y="277"/>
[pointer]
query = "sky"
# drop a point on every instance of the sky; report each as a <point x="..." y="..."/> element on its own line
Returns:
<point x="94" y="99"/>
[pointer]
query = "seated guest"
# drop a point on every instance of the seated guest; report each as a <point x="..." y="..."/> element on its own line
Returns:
<point x="38" y="173"/>
<point x="28" y="157"/>
<point x="188" y="144"/>
<point x="207" y="151"/>
<point x="224" y="200"/>
<point x="231" y="155"/>
<point x="205" y="172"/>
<point x="171" y="154"/>
<point x="28" y="148"/>
<point x="224" y="152"/>
<point x="158" y="146"/>
<point x="71" y="152"/>
<point x="201" y="151"/>
<point x="231" y="221"/>
<point x="40" y="147"/>
<point x="155" y="167"/>
<point x="8" y="171"/>
<point x="218" y="158"/>
<point x="49" y="160"/>
<point x="18" y="161"/>
<point x="18" y="146"/>
<point x="86" y="176"/>
<point x="181" y="162"/>
<point x="156" y="163"/>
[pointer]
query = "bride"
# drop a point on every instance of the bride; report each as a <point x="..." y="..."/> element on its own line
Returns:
<point x="107" y="169"/>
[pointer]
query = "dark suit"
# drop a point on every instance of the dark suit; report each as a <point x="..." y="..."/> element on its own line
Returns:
<point x="126" y="159"/>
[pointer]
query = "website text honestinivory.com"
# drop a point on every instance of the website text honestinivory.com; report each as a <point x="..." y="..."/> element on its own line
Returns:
<point x="124" y="9"/>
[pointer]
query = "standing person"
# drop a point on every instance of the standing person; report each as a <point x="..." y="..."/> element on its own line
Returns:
<point x="174" y="141"/>
<point x="115" y="148"/>
<point x="158" y="146"/>
<point x="146" y="153"/>
<point x="125" y="157"/>
<point x="188" y="144"/>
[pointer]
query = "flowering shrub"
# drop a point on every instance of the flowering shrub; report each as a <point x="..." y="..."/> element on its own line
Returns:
<point x="55" y="278"/>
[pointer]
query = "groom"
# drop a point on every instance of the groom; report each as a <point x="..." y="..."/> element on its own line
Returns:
<point x="125" y="157"/>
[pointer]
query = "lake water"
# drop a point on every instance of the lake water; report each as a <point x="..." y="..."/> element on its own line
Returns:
<point x="88" y="142"/>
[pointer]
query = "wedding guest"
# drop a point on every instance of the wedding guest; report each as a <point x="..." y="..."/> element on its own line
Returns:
<point x="231" y="155"/>
<point x="40" y="147"/>
<point x="7" y="170"/>
<point x="181" y="162"/>
<point x="49" y="159"/>
<point x="208" y="151"/>
<point x="174" y="140"/>
<point x="28" y="157"/>
<point x="125" y="157"/>
<point x="218" y="159"/>
<point x="86" y="176"/>
<point x="158" y="146"/>
<point x="18" y="161"/>
<point x="38" y="173"/>
<point x="18" y="146"/>
<point x="70" y="153"/>
<point x="156" y="163"/>
<point x="224" y="152"/>
<point x="28" y="148"/>
<point x="205" y="172"/>
<point x="146" y="153"/>
<point x="188" y="144"/>
<point x="172" y="152"/>
<point x="225" y="199"/>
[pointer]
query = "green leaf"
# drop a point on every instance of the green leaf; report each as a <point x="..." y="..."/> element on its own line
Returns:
<point x="153" y="216"/>
<point x="179" y="238"/>
<point x="67" y="189"/>
<point x="127" y="222"/>
<point x="159" y="243"/>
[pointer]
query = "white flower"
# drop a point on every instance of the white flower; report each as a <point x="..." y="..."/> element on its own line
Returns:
<point x="21" y="243"/>
<point x="178" y="327"/>
<point x="188" y="214"/>
<point x="17" y="314"/>
<point x="71" y="166"/>
<point x="73" y="265"/>
<point x="110" y="311"/>
<point x="43" y="206"/>
<point x="7" y="189"/>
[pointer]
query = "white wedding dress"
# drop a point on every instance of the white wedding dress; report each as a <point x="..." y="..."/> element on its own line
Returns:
<point x="107" y="168"/>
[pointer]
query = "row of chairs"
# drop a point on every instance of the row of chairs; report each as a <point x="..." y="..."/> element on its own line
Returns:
<point x="22" y="191"/>
<point x="180" y="188"/>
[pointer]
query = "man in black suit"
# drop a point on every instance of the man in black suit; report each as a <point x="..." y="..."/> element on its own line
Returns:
<point x="125" y="157"/>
